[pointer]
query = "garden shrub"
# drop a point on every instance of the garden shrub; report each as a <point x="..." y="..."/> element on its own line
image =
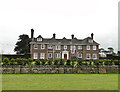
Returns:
<point x="43" y="61"/>
<point x="6" y="61"/>
<point x="46" y="63"/>
<point x="73" y="61"/>
<point x="62" y="61"/>
<point x="20" y="61"/>
<point x="57" y="61"/>
<point x="33" y="63"/>
<point x="80" y="61"/>
<point x="50" y="61"/>
<point x="13" y="62"/>
<point x="116" y="62"/>
<point x="76" y="63"/>
<point x="30" y="60"/>
<point x="73" y="58"/>
<point x="37" y="62"/>
<point x="65" y="63"/>
<point x="68" y="62"/>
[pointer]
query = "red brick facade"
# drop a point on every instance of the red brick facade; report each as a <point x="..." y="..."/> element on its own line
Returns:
<point x="83" y="51"/>
<point x="67" y="47"/>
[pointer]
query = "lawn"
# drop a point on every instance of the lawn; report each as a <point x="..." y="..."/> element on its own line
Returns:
<point x="59" y="81"/>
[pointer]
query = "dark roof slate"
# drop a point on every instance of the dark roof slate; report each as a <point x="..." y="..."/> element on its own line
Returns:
<point x="65" y="41"/>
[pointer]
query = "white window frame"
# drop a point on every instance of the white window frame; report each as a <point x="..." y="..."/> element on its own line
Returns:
<point x="39" y="39"/>
<point x="88" y="47"/>
<point x="79" y="55"/>
<point x="58" y="47"/>
<point x="42" y="46"/>
<point x="65" y="46"/>
<point x="42" y="55"/>
<point x="49" y="55"/>
<point x="79" y="47"/>
<point x="88" y="54"/>
<point x="35" y="46"/>
<point x="73" y="48"/>
<point x="35" y="56"/>
<point x="57" y="55"/>
<point x="94" y="47"/>
<point x="50" y="46"/>
<point x="95" y="56"/>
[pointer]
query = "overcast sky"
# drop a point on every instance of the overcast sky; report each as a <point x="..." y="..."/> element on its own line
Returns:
<point x="63" y="17"/>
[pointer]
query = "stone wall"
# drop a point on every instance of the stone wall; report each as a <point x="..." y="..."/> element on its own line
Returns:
<point x="42" y="69"/>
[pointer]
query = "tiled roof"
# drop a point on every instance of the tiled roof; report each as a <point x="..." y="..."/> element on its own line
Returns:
<point x="65" y="41"/>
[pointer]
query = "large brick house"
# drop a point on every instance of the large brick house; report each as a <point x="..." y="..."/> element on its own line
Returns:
<point x="52" y="48"/>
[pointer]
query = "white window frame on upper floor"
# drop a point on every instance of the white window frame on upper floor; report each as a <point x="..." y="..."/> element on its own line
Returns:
<point x="73" y="48"/>
<point x="88" y="47"/>
<point x="42" y="46"/>
<point x="57" y="47"/>
<point x="35" y="46"/>
<point x="79" y="47"/>
<point x="94" y="47"/>
<point x="50" y="46"/>
<point x="65" y="46"/>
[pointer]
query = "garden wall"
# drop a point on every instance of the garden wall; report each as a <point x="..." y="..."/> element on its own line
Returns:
<point x="42" y="69"/>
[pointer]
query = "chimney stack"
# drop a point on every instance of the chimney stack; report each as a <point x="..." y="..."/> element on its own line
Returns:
<point x="92" y="35"/>
<point x="54" y="35"/>
<point x="72" y="36"/>
<point x="32" y="33"/>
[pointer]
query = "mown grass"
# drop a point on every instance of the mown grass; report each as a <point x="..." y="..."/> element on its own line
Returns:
<point x="60" y="81"/>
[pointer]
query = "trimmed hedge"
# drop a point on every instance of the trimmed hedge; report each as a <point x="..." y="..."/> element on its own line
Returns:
<point x="72" y="61"/>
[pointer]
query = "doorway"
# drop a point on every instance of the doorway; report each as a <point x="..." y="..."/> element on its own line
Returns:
<point x="65" y="57"/>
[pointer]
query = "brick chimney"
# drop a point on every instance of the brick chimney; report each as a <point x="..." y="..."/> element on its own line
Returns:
<point x="32" y="33"/>
<point x="54" y="35"/>
<point x="92" y="35"/>
<point x="72" y="36"/>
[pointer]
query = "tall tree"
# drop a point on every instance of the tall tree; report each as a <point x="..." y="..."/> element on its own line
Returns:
<point x="22" y="45"/>
<point x="111" y="50"/>
<point x="118" y="53"/>
<point x="101" y="50"/>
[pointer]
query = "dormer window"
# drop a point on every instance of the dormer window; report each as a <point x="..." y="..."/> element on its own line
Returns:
<point x="39" y="39"/>
<point x="90" y="41"/>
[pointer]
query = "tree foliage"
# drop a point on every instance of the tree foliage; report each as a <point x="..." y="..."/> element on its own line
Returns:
<point x="22" y="45"/>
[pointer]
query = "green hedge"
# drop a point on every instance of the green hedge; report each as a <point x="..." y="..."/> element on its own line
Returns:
<point x="72" y="61"/>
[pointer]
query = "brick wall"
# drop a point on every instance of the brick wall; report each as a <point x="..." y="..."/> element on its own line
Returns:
<point x="83" y="51"/>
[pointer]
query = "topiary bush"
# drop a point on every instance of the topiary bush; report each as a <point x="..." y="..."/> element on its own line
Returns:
<point x="13" y="61"/>
<point x="6" y="61"/>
